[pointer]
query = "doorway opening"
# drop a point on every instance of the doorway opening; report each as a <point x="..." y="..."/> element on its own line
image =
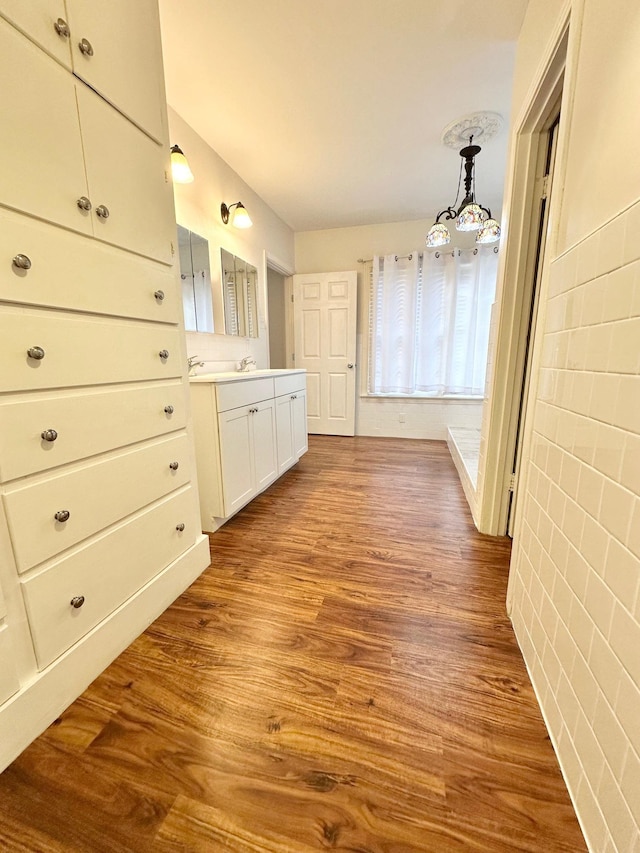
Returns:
<point x="544" y="185"/>
<point x="538" y="134"/>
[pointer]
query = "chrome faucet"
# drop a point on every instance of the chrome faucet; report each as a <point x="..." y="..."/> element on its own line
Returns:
<point x="193" y="363"/>
<point x="246" y="361"/>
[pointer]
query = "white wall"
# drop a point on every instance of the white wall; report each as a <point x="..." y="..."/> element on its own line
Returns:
<point x="575" y="572"/>
<point x="338" y="249"/>
<point x="198" y="209"/>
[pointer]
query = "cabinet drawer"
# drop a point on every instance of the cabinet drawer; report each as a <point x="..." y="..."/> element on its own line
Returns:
<point x="69" y="271"/>
<point x="8" y="677"/>
<point x="106" y="572"/>
<point x="243" y="392"/>
<point x="95" y="497"/>
<point x="289" y="383"/>
<point x="83" y="351"/>
<point x="86" y="423"/>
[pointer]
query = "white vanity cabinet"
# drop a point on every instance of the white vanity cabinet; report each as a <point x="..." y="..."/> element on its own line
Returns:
<point x="244" y="427"/>
<point x="291" y="419"/>
<point x="99" y="526"/>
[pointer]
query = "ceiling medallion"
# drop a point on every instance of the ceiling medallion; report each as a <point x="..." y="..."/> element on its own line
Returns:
<point x="481" y="125"/>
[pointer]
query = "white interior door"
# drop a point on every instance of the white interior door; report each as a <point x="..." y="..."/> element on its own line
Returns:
<point x="324" y="317"/>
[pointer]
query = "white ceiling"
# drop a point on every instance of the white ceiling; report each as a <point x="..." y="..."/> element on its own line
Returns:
<point x="333" y="110"/>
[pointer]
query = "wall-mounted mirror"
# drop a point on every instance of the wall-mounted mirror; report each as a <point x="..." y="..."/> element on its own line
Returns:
<point x="195" y="274"/>
<point x="240" y="286"/>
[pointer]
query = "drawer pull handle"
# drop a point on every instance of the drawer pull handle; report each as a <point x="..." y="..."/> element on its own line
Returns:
<point x="180" y="527"/>
<point x="37" y="353"/>
<point x="62" y="28"/>
<point x="174" y="466"/>
<point x="164" y="354"/>
<point x="77" y="601"/>
<point x="85" y="47"/>
<point x="159" y="295"/>
<point x="49" y="435"/>
<point x="102" y="211"/>
<point x="22" y="262"/>
<point x="62" y="515"/>
<point x="84" y="203"/>
<point x="168" y="410"/>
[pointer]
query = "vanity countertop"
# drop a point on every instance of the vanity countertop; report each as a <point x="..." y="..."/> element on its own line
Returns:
<point x="239" y="376"/>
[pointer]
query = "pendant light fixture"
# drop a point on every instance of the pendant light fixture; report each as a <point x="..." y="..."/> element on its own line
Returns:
<point x="470" y="215"/>
<point x="180" y="170"/>
<point x="241" y="218"/>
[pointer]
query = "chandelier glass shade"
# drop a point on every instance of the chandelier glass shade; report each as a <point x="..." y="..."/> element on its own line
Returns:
<point x="469" y="215"/>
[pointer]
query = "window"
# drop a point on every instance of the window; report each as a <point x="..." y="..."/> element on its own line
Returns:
<point x="429" y="318"/>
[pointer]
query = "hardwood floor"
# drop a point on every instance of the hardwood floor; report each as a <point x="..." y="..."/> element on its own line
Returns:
<point x="343" y="677"/>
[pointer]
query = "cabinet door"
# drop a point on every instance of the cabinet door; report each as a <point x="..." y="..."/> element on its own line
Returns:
<point x="235" y="458"/>
<point x="125" y="60"/>
<point x="43" y="171"/>
<point x="299" y="419"/>
<point x="284" y="433"/>
<point x="263" y="437"/>
<point x="37" y="19"/>
<point x="128" y="174"/>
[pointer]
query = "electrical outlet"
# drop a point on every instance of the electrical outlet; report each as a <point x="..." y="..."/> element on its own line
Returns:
<point x="401" y="417"/>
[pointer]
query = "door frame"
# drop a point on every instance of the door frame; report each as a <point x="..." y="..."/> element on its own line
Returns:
<point x="555" y="80"/>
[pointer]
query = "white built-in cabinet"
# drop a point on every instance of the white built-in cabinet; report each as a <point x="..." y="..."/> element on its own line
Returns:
<point x="99" y="521"/>
<point x="248" y="431"/>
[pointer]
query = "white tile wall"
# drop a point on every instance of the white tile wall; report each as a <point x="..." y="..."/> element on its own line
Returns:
<point x="576" y="563"/>
<point x="421" y="418"/>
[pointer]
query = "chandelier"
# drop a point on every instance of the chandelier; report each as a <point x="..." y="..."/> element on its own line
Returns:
<point x="470" y="215"/>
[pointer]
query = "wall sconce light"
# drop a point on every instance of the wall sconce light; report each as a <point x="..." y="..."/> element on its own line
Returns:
<point x="180" y="170"/>
<point x="241" y="218"/>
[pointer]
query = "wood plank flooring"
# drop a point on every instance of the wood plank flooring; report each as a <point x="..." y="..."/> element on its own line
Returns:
<point x="343" y="677"/>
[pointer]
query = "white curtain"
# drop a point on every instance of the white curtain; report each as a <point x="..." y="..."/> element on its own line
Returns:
<point x="429" y="321"/>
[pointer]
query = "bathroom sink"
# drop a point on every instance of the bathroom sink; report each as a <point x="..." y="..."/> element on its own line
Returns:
<point x="234" y="375"/>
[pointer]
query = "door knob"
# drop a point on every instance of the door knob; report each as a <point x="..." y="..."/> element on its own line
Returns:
<point x="77" y="601"/>
<point x="62" y="28"/>
<point x="22" y="262"/>
<point x="164" y="354"/>
<point x="180" y="527"/>
<point x="169" y="410"/>
<point x="174" y="466"/>
<point x="36" y="353"/>
<point x="159" y="295"/>
<point x="85" y="47"/>
<point x="62" y="515"/>
<point x="350" y="366"/>
<point x="49" y="435"/>
<point x="102" y="211"/>
<point x="84" y="203"/>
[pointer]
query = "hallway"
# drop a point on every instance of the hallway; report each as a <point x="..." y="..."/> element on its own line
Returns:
<point x="344" y="677"/>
